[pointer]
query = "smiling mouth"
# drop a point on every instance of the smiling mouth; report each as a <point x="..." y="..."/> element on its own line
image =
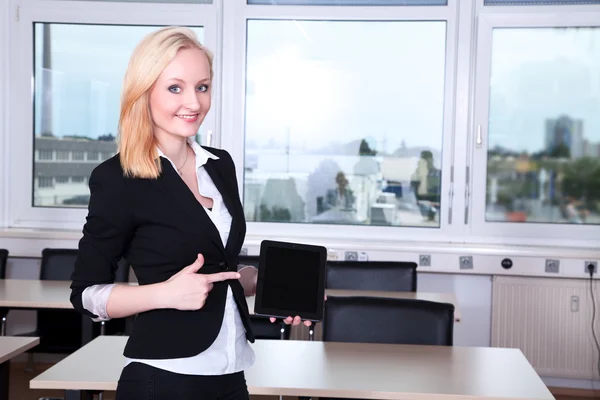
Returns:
<point x="187" y="116"/>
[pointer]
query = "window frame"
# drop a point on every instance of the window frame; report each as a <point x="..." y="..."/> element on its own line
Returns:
<point x="20" y="213"/>
<point x="234" y="61"/>
<point x="516" y="233"/>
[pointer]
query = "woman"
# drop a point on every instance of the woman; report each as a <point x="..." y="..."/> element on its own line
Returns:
<point x="172" y="209"/>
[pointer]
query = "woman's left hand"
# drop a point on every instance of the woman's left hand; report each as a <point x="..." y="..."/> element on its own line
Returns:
<point x="295" y="321"/>
<point x="248" y="276"/>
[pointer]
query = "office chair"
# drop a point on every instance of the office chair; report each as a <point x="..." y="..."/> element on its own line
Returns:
<point x="386" y="320"/>
<point x="60" y="330"/>
<point x="262" y="327"/>
<point x="3" y="311"/>
<point x="393" y="276"/>
<point x="360" y="319"/>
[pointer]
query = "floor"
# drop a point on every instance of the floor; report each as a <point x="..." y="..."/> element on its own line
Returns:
<point x="19" y="387"/>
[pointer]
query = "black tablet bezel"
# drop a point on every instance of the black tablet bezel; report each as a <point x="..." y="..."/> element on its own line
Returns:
<point x="283" y="313"/>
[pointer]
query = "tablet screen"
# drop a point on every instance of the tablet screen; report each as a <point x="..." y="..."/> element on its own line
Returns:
<point x="291" y="279"/>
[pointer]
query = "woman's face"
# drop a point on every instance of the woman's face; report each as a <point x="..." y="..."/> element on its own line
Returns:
<point x="181" y="96"/>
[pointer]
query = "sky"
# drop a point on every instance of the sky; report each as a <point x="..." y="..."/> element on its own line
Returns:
<point x="313" y="83"/>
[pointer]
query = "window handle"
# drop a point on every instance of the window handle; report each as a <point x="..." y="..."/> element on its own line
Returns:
<point x="478" y="138"/>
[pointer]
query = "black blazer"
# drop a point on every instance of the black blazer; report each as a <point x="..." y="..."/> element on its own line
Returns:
<point x="159" y="227"/>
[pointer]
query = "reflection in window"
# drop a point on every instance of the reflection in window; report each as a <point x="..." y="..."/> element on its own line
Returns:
<point x="341" y="126"/>
<point x="544" y="126"/>
<point x="77" y="97"/>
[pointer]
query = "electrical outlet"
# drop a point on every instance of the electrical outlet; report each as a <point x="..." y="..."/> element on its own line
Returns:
<point x="424" y="260"/>
<point x="595" y="267"/>
<point x="244" y="251"/>
<point x="574" y="303"/>
<point x="351" y="256"/>
<point x="552" y="266"/>
<point x="362" y="256"/>
<point x="466" y="262"/>
<point x="332" y="255"/>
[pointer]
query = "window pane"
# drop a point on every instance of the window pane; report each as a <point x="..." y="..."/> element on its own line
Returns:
<point x="154" y="1"/>
<point x="342" y="127"/>
<point x="351" y="2"/>
<point x="78" y="71"/>
<point x="544" y="126"/>
<point x="538" y="2"/>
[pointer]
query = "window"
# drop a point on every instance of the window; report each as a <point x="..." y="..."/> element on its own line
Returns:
<point x="544" y="126"/>
<point x="538" y="2"/>
<point x="350" y="2"/>
<point x="77" y="52"/>
<point x="341" y="127"/>
<point x="538" y="127"/>
<point x="77" y="100"/>
<point x="45" y="154"/>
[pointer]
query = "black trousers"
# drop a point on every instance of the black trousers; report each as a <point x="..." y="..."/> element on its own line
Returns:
<point x="140" y="381"/>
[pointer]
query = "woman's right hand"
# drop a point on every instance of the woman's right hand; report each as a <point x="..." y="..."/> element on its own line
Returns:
<point x="188" y="290"/>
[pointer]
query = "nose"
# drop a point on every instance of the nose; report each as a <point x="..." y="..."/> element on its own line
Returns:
<point x="191" y="101"/>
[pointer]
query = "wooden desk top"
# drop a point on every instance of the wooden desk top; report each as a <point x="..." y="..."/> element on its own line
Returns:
<point x="11" y="346"/>
<point x="35" y="293"/>
<point x="351" y="370"/>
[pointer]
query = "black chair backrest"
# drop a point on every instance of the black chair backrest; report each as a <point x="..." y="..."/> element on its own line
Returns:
<point x="372" y="275"/>
<point x="385" y="320"/>
<point x="3" y="262"/>
<point x="57" y="264"/>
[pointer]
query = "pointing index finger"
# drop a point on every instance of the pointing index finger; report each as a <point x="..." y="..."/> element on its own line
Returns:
<point x="222" y="276"/>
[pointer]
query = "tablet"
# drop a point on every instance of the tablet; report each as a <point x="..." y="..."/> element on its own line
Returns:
<point x="291" y="280"/>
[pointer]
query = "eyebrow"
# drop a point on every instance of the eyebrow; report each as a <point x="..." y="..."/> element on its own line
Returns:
<point x="204" y="80"/>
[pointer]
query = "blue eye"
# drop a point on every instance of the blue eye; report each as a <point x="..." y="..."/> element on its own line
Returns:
<point x="203" y="88"/>
<point x="174" y="89"/>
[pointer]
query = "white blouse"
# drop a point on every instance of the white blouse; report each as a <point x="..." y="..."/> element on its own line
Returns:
<point x="230" y="352"/>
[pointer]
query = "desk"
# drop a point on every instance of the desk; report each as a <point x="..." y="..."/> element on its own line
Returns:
<point x="36" y="294"/>
<point x="15" y="293"/>
<point x="350" y="370"/>
<point x="11" y="347"/>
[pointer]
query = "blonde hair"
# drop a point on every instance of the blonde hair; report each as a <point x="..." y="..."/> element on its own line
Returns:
<point x="136" y="142"/>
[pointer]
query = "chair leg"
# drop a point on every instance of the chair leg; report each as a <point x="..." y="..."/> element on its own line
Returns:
<point x="102" y="328"/>
<point x="3" y="326"/>
<point x="282" y="331"/>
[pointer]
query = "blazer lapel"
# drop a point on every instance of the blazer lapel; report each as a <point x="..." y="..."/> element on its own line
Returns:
<point x="173" y="186"/>
<point x="223" y="185"/>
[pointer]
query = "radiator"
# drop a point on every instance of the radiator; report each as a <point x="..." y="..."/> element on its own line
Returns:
<point x="550" y="320"/>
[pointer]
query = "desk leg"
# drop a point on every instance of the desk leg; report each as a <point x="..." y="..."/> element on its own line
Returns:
<point x="4" y="379"/>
